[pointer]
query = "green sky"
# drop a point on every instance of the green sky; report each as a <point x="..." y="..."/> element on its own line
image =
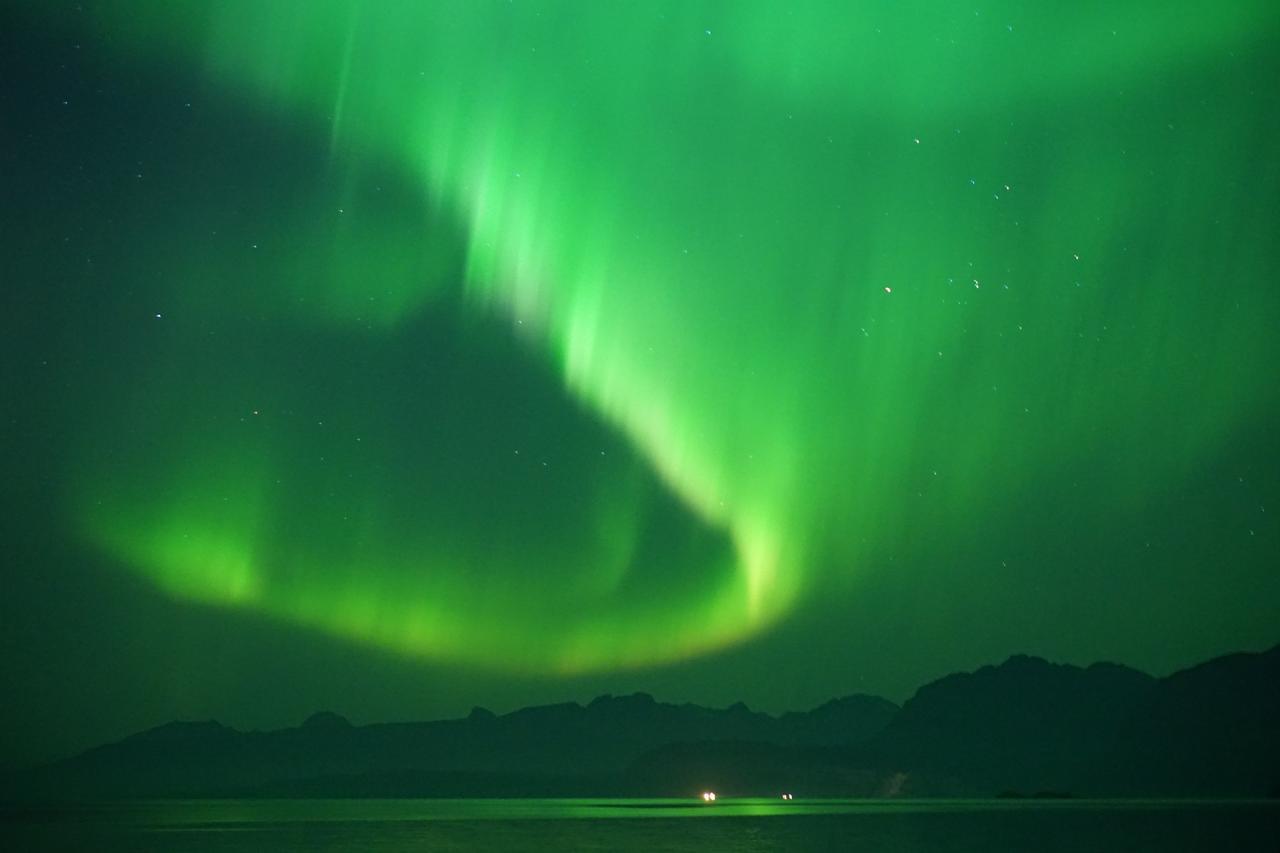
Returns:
<point x="440" y="353"/>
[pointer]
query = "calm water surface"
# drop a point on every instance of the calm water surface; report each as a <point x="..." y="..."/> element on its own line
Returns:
<point x="730" y="825"/>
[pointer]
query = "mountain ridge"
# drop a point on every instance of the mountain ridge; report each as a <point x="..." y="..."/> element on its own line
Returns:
<point x="1024" y="725"/>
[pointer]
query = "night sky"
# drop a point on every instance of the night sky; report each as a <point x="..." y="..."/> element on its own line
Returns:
<point x="395" y="358"/>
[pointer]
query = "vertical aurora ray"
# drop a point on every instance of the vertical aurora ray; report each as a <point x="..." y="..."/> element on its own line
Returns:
<point x="818" y="269"/>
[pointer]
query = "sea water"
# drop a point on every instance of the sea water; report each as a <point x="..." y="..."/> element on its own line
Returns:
<point x="373" y="826"/>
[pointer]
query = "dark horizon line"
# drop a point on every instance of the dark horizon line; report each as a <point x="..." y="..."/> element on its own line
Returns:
<point x="740" y="706"/>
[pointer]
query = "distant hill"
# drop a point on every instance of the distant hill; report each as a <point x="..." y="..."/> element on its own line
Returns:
<point x="1211" y="728"/>
<point x="1028" y="725"/>
<point x="1024" y="727"/>
<point x="565" y="749"/>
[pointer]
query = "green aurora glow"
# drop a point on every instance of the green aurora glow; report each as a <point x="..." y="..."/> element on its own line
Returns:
<point x="721" y="299"/>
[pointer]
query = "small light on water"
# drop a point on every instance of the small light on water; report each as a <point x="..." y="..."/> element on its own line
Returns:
<point x="709" y="796"/>
<point x="787" y="797"/>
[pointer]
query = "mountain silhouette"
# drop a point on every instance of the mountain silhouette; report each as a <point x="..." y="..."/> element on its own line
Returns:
<point x="557" y="749"/>
<point x="1025" y="726"/>
<point x="1221" y="716"/>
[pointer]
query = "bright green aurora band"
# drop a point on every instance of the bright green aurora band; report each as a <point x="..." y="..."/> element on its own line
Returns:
<point x="805" y="277"/>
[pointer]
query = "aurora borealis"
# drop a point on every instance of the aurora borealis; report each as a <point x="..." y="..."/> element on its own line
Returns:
<point x="656" y="342"/>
